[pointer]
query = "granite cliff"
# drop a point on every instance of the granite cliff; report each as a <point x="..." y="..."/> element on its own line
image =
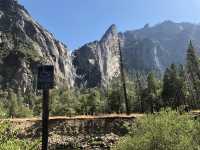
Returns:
<point x="25" y="44"/>
<point x="151" y="48"/>
<point x="97" y="63"/>
<point x="156" y="47"/>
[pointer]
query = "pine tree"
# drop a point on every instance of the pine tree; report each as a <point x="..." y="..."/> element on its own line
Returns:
<point x="12" y="104"/>
<point x="93" y="101"/>
<point x="151" y="90"/>
<point x="193" y="62"/>
<point x="169" y="86"/>
<point x="173" y="93"/>
<point x="114" y="103"/>
<point x="139" y="90"/>
<point x="193" y="70"/>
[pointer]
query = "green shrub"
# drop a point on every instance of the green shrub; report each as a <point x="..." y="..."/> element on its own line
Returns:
<point x="167" y="130"/>
<point x="9" y="140"/>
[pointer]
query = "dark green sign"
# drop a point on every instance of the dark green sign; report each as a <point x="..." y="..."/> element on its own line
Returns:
<point x="45" y="78"/>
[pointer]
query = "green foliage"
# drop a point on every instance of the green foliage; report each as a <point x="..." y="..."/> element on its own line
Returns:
<point x="24" y="112"/>
<point x="146" y="93"/>
<point x="3" y="101"/>
<point x="193" y="62"/>
<point x="193" y="75"/>
<point x="150" y="97"/>
<point x="115" y="99"/>
<point x="63" y="102"/>
<point x="174" y="90"/>
<point x="69" y="102"/>
<point x="12" y="105"/>
<point x="131" y="92"/>
<point x="27" y="50"/>
<point x="37" y="105"/>
<point x="22" y="48"/>
<point x="3" y="111"/>
<point x="93" y="101"/>
<point x="115" y="103"/>
<point x="167" y="130"/>
<point x="9" y="140"/>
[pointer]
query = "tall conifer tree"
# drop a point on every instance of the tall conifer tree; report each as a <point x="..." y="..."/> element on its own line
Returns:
<point x="193" y="69"/>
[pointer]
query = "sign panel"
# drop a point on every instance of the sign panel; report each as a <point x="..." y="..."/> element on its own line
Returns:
<point x="45" y="78"/>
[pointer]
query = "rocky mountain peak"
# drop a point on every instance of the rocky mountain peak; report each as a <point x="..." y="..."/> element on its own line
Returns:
<point x="156" y="47"/>
<point x="25" y="44"/>
<point x="111" y="32"/>
<point x="112" y="29"/>
<point x="97" y="63"/>
<point x="146" y="26"/>
<point x="8" y="3"/>
<point x="29" y="45"/>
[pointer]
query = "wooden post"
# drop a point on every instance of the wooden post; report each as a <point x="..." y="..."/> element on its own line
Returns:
<point x="45" y="119"/>
<point x="45" y="82"/>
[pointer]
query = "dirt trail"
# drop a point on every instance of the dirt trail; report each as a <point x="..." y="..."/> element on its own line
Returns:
<point x="82" y="117"/>
<point x="90" y="117"/>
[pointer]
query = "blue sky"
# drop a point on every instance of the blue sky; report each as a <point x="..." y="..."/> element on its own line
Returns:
<point x="76" y="22"/>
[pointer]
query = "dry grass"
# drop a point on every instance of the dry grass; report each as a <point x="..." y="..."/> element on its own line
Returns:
<point x="82" y="117"/>
<point x="86" y="117"/>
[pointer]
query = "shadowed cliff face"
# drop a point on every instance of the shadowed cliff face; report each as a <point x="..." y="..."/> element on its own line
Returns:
<point x="156" y="47"/>
<point x="97" y="63"/>
<point x="25" y="42"/>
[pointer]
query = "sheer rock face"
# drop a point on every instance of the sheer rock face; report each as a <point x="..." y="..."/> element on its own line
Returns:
<point x="144" y="50"/>
<point x="25" y="44"/>
<point x="143" y="55"/>
<point x="156" y="47"/>
<point x="97" y="63"/>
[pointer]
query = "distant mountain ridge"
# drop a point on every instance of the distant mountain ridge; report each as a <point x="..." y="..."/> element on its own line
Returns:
<point x="160" y="45"/>
<point x="147" y="49"/>
<point x="25" y="44"/>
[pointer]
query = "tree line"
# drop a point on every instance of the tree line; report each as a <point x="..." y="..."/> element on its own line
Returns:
<point x="178" y="88"/>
